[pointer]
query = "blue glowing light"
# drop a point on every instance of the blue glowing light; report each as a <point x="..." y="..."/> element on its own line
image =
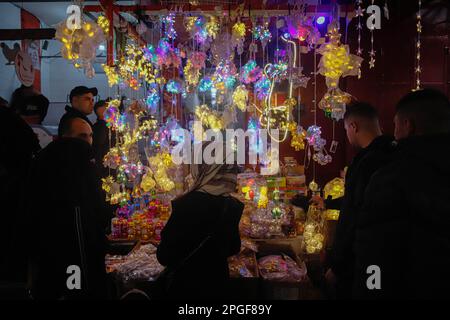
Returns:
<point x="320" y="20"/>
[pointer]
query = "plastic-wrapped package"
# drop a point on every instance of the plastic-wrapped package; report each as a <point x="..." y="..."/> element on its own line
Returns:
<point x="238" y="268"/>
<point x="281" y="268"/>
<point x="273" y="268"/>
<point x="141" y="264"/>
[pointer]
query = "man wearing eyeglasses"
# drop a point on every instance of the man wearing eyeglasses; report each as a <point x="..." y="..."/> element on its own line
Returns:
<point x="82" y="101"/>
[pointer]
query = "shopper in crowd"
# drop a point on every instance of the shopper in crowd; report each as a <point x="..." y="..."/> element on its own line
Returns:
<point x="201" y="234"/>
<point x="30" y="104"/>
<point x="364" y="133"/>
<point x="68" y="217"/>
<point x="18" y="145"/>
<point x="103" y="141"/>
<point x="82" y="105"/>
<point x="402" y="238"/>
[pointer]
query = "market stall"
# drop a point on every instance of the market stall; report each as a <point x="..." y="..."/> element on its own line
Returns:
<point x="184" y="74"/>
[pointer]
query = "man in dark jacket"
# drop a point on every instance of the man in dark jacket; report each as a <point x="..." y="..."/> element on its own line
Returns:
<point x="363" y="132"/>
<point x="102" y="139"/>
<point x="82" y="101"/>
<point x="402" y="239"/>
<point x="67" y="218"/>
<point x="18" y="145"/>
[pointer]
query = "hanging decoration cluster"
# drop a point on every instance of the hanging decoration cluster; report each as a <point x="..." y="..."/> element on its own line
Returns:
<point x="336" y="62"/>
<point x="79" y="46"/>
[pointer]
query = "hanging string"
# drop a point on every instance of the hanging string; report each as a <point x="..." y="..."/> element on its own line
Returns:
<point x="418" y="47"/>
<point x="372" y="51"/>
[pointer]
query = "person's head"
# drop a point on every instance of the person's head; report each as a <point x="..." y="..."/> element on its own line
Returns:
<point x="361" y="124"/>
<point x="215" y="179"/>
<point x="99" y="109"/>
<point x="77" y="128"/>
<point x="82" y="99"/>
<point x="422" y="112"/>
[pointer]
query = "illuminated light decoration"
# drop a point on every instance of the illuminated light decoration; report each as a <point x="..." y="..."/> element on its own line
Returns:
<point x="159" y="165"/>
<point x="209" y="118"/>
<point x="134" y="84"/>
<point x="359" y="14"/>
<point x="107" y="183"/>
<point x="111" y="74"/>
<point x="240" y="98"/>
<point x="79" y="46"/>
<point x="153" y="99"/>
<point x="334" y="189"/>
<point x="148" y="183"/>
<point x="224" y="76"/>
<point x="191" y="74"/>
<point x="196" y="26"/>
<point x="173" y="86"/>
<point x="103" y="23"/>
<point x="239" y="30"/>
<point x="197" y="59"/>
<point x="372" y="51"/>
<point x="205" y="84"/>
<point x="262" y="33"/>
<point x="150" y="54"/>
<point x="212" y="27"/>
<point x="336" y="62"/>
<point x="278" y="117"/>
<point x="278" y="70"/>
<point x="263" y="199"/>
<point x="262" y="87"/>
<point x="334" y="103"/>
<point x="418" y="69"/>
<point x="303" y="29"/>
<point x="135" y="61"/>
<point x="320" y="20"/>
<point x="313" y="136"/>
<point x="167" y="55"/>
<point x="238" y="36"/>
<point x="298" y="136"/>
<point x="169" y="26"/>
<point x="250" y="72"/>
<point x="112" y="113"/>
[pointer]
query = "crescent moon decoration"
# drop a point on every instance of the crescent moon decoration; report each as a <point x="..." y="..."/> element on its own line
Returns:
<point x="278" y="117"/>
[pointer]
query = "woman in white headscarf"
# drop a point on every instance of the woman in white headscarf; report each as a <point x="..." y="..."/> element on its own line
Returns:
<point x="202" y="232"/>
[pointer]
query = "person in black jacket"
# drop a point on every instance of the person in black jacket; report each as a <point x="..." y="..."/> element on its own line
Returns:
<point x="18" y="145"/>
<point x="103" y="141"/>
<point x="82" y="101"/>
<point x="363" y="132"/>
<point x="205" y="224"/>
<point x="67" y="218"/>
<point x="403" y="238"/>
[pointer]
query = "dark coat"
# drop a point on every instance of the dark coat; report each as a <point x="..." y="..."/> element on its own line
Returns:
<point x="194" y="216"/>
<point x="101" y="144"/>
<point x="63" y="178"/>
<point x="18" y="145"/>
<point x="404" y="226"/>
<point x="359" y="173"/>
<point x="70" y="114"/>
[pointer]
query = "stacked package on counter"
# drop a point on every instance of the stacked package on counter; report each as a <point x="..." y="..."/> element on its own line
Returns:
<point x="141" y="264"/>
<point x="281" y="268"/>
<point x="243" y="265"/>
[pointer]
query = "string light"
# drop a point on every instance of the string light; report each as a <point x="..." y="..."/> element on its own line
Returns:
<point x="239" y="30"/>
<point x="169" y="25"/>
<point x="372" y="51"/>
<point x="240" y="97"/>
<point x="103" y="23"/>
<point x="418" y="70"/>
<point x="359" y="14"/>
<point x="208" y="117"/>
